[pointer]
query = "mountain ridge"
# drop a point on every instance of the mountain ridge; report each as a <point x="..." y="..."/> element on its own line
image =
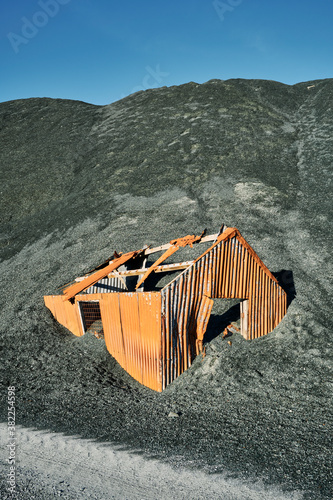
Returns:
<point x="80" y="181"/>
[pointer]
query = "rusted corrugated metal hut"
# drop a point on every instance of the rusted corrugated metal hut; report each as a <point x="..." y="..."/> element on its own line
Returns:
<point x="155" y="334"/>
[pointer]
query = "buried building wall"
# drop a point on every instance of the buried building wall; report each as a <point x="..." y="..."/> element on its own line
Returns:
<point x="155" y="335"/>
<point x="228" y="269"/>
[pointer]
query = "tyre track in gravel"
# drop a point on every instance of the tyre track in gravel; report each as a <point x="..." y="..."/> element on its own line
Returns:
<point x="56" y="465"/>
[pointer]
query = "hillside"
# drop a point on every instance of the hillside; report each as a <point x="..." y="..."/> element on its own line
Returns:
<point x="79" y="181"/>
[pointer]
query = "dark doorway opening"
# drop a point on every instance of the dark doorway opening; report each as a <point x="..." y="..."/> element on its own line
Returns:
<point x="224" y="312"/>
<point x="91" y="316"/>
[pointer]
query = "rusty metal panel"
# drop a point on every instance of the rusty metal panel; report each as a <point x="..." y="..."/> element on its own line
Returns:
<point x="203" y="317"/>
<point x="131" y="333"/>
<point x="112" y="326"/>
<point x="132" y="330"/>
<point x="185" y="313"/>
<point x="150" y="324"/>
<point x="267" y="305"/>
<point x="65" y="313"/>
<point x="235" y="271"/>
<point x="107" y="285"/>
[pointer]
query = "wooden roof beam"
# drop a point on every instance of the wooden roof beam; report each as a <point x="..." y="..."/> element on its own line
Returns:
<point x="204" y="239"/>
<point x="90" y="280"/>
<point x="137" y="272"/>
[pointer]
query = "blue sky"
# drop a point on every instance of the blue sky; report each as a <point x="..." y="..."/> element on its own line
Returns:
<point x="99" y="51"/>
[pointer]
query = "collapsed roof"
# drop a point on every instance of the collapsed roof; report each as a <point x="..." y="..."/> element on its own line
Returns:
<point x="155" y="332"/>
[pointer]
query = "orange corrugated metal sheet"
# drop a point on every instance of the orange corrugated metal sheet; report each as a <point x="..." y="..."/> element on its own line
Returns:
<point x="131" y="327"/>
<point x="235" y="271"/>
<point x="65" y="313"/>
<point x="156" y="335"/>
<point x="228" y="269"/>
<point x="185" y="313"/>
<point x="132" y="330"/>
